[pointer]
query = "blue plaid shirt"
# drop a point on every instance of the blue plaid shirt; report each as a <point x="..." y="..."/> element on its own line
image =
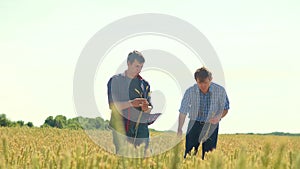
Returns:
<point x="202" y="107"/>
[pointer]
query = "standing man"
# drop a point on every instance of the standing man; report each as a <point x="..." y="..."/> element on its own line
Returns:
<point x="129" y="101"/>
<point x="206" y="102"/>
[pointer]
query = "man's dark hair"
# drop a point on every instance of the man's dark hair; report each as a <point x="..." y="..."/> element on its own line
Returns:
<point x="135" y="55"/>
<point x="202" y="73"/>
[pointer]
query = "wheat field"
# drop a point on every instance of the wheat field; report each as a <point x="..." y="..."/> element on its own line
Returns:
<point x="57" y="148"/>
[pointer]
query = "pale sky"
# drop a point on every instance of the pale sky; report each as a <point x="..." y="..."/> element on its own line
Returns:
<point x="257" y="43"/>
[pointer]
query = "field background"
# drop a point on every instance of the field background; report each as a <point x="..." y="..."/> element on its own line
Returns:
<point x="64" y="148"/>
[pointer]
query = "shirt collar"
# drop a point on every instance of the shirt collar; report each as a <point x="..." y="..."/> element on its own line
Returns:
<point x="210" y="89"/>
<point x="138" y="76"/>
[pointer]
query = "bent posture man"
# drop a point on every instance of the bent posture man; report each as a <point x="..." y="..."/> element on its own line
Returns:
<point x="206" y="102"/>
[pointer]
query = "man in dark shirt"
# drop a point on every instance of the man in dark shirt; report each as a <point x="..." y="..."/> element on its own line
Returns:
<point x="129" y="100"/>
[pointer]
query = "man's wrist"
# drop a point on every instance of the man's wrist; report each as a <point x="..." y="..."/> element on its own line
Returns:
<point x="130" y="103"/>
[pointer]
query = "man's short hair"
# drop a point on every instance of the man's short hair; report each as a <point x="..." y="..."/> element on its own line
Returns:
<point x="135" y="55"/>
<point x="202" y="73"/>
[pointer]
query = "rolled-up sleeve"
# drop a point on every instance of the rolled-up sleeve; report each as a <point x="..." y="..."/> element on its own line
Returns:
<point x="185" y="106"/>
<point x="226" y="107"/>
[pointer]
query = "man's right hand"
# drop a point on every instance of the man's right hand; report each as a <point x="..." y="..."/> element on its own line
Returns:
<point x="179" y="132"/>
<point x="137" y="102"/>
<point x="181" y="119"/>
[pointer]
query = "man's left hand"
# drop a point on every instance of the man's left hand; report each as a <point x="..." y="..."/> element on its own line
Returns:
<point x="215" y="120"/>
<point x="144" y="106"/>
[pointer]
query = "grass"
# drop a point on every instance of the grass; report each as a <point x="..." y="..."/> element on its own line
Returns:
<point x="57" y="148"/>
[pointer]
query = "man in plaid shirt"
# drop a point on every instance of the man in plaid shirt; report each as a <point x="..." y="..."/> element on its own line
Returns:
<point x="206" y="103"/>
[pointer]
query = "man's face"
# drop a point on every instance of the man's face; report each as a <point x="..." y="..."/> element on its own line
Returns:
<point x="204" y="86"/>
<point x="135" y="67"/>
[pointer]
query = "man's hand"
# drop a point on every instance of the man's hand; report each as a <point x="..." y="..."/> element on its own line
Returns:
<point x="215" y="120"/>
<point x="145" y="105"/>
<point x="141" y="102"/>
<point x="181" y="119"/>
<point x="138" y="102"/>
<point x="179" y="132"/>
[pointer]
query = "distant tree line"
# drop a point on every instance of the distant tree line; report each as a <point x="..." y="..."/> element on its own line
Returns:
<point x="273" y="133"/>
<point x="60" y="122"/>
<point x="282" y="134"/>
<point x="76" y="123"/>
<point x="5" y="122"/>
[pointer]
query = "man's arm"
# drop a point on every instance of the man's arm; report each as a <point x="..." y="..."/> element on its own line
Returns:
<point x="184" y="109"/>
<point x="217" y="119"/>
<point x="226" y="107"/>
<point x="181" y="120"/>
<point x="137" y="102"/>
<point x="224" y="113"/>
<point x="120" y="105"/>
<point x="113" y="90"/>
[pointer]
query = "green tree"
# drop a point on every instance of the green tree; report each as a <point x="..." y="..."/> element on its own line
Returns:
<point x="99" y="123"/>
<point x="76" y="123"/>
<point x="73" y="124"/>
<point x="20" y="123"/>
<point x="49" y="122"/>
<point x="60" y="121"/>
<point x="29" y="124"/>
<point x="4" y="121"/>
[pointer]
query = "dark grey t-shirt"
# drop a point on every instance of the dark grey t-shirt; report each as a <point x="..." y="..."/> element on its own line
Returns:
<point x="122" y="89"/>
